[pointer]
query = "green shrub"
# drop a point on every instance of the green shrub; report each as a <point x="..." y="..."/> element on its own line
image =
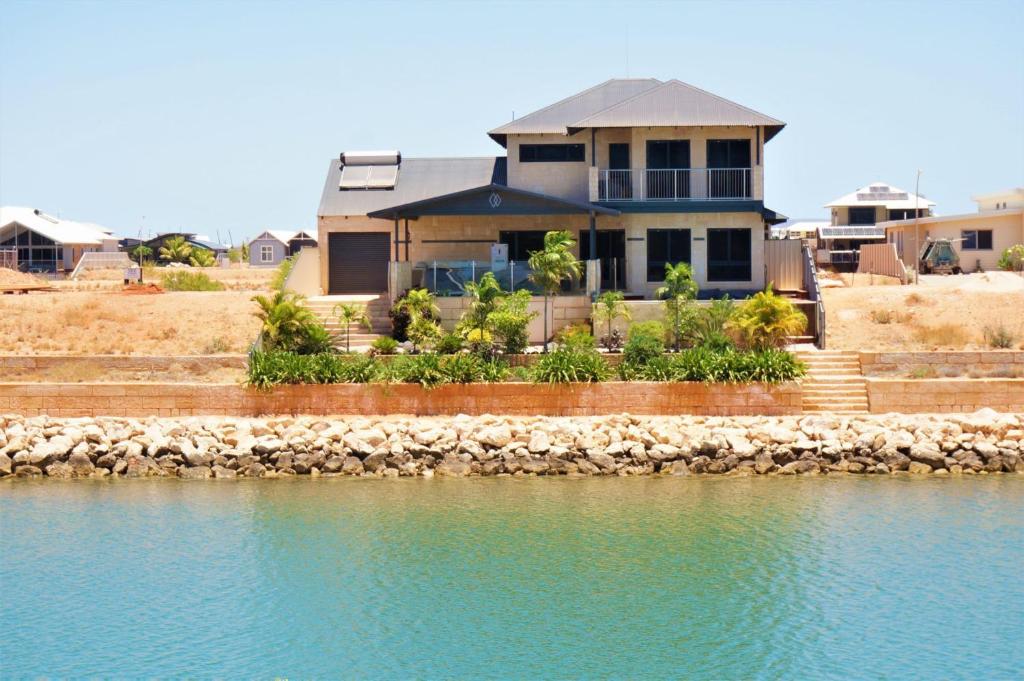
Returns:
<point x="268" y="369"/>
<point x="384" y="345"/>
<point x="183" y="280"/>
<point x="571" y="364"/>
<point x="708" y="366"/>
<point x="290" y="326"/>
<point x="711" y="324"/>
<point x="767" y="320"/>
<point x="576" y="336"/>
<point x="449" y="344"/>
<point x="314" y="339"/>
<point x="610" y="306"/>
<point x="510" y="320"/>
<point x="281" y="274"/>
<point x="202" y="257"/>
<point x="424" y="369"/>
<point x="649" y="328"/>
<point x="999" y="337"/>
<point x="641" y="348"/>
<point x="1012" y="259"/>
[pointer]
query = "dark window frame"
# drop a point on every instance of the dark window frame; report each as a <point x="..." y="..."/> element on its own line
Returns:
<point x="861" y="210"/>
<point x="977" y="241"/>
<point x="675" y="238"/>
<point x="518" y="240"/>
<point x="734" y="266"/>
<point x="552" y="153"/>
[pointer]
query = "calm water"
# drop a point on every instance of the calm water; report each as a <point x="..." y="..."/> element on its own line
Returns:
<point x="607" y="578"/>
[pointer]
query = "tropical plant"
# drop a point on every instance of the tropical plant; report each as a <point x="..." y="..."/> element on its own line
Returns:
<point x="269" y="368"/>
<point x="678" y="291"/>
<point x="183" y="280"/>
<point x="1012" y="259"/>
<point x="418" y="304"/>
<point x="141" y="253"/>
<point x="710" y="328"/>
<point x="767" y="320"/>
<point x="610" y="306"/>
<point x="235" y="255"/>
<point x="385" y="345"/>
<point x="285" y="321"/>
<point x="553" y="265"/>
<point x="570" y="364"/>
<point x="202" y="257"/>
<point x="314" y="340"/>
<point x="348" y="314"/>
<point x="423" y="333"/>
<point x="642" y="348"/>
<point x="576" y="336"/>
<point x="284" y="268"/>
<point x="510" y="321"/>
<point x="449" y="344"/>
<point x="176" y="249"/>
<point x="484" y="297"/>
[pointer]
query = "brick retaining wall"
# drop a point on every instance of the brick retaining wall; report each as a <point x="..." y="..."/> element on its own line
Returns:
<point x="945" y="395"/>
<point x="180" y="399"/>
<point x="1001" y="363"/>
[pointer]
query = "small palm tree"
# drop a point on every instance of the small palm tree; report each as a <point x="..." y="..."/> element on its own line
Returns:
<point x="202" y="257"/>
<point x="551" y="266"/>
<point x="678" y="290"/>
<point x="485" y="297"/>
<point x="419" y="304"/>
<point x="348" y="314"/>
<point x="141" y="253"/>
<point x="610" y="306"/>
<point x="175" y="249"/>
<point x="767" y="320"/>
<point x="284" y="319"/>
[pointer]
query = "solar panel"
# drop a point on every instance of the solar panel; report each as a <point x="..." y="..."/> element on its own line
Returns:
<point x="382" y="177"/>
<point x="354" y="177"/>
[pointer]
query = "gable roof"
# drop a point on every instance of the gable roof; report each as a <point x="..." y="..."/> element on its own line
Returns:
<point x="55" y="229"/>
<point x="675" y="103"/>
<point x="557" y="117"/>
<point x="491" y="199"/>
<point x="881" y="194"/>
<point x="418" y="179"/>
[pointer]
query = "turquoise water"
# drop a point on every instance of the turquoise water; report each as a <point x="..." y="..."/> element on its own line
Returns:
<point x="503" y="578"/>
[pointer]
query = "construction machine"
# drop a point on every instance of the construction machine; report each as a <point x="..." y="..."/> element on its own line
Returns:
<point x="939" y="257"/>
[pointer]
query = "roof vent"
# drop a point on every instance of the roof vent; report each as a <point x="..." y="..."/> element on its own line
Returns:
<point x="369" y="169"/>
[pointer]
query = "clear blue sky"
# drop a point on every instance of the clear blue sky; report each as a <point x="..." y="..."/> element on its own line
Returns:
<point x="222" y="117"/>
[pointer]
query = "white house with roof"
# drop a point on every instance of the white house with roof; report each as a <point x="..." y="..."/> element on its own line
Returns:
<point x="274" y="245"/>
<point x="43" y="243"/>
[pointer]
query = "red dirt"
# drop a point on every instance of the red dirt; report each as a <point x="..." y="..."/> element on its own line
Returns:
<point x="141" y="289"/>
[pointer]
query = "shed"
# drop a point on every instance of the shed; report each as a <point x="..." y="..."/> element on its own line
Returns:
<point x="274" y="245"/>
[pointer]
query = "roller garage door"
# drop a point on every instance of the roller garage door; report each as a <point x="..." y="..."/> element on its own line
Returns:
<point x="358" y="262"/>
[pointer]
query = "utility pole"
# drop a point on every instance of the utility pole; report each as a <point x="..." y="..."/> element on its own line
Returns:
<point x="917" y="217"/>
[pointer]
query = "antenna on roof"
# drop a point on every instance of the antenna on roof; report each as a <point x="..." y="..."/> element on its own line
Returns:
<point x="513" y="114"/>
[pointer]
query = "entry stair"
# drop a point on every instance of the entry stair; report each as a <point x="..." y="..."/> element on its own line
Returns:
<point x="834" y="382"/>
<point x="377" y="308"/>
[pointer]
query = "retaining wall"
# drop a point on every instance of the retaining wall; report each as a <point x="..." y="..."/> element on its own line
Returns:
<point x="945" y="395"/>
<point x="199" y="363"/>
<point x="180" y="399"/>
<point x="999" y="363"/>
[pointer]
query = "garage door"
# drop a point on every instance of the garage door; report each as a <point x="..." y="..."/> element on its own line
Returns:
<point x="358" y="262"/>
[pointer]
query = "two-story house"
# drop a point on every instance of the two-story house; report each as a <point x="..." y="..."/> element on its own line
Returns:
<point x="642" y="172"/>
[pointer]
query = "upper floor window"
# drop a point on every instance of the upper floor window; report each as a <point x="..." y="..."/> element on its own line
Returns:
<point x="905" y="213"/>
<point x="551" y="153"/>
<point x="728" y="153"/>
<point x="862" y="215"/>
<point x="976" y="239"/>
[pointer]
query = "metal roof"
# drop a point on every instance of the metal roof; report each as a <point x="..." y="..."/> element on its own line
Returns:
<point x="881" y="194"/>
<point x="560" y="115"/>
<point x="674" y="103"/>
<point x="850" y="232"/>
<point x="418" y="179"/>
<point x="55" y="229"/>
<point x="284" y="236"/>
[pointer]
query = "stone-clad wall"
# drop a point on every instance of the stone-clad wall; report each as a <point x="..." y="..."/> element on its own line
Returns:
<point x="945" y="395"/>
<point x="179" y="399"/>
<point x="122" y="362"/>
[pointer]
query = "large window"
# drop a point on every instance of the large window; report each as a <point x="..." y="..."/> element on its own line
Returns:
<point x="906" y="213"/>
<point x="266" y="253"/>
<point x="862" y="215"/>
<point x="551" y="153"/>
<point x="976" y="239"/>
<point x="36" y="253"/>
<point x="729" y="255"/>
<point x="668" y="176"/>
<point x="666" y="246"/>
<point x="728" y="169"/>
<point x="521" y="244"/>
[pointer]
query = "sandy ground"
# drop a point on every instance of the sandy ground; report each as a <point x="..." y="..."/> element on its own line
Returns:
<point x="95" y="373"/>
<point x="236" y="278"/>
<point x="101" y="322"/>
<point x="941" y="313"/>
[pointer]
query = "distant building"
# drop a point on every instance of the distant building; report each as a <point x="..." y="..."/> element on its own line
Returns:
<point x="978" y="238"/>
<point x="274" y="245"/>
<point x="194" y="240"/>
<point x="46" y="244"/>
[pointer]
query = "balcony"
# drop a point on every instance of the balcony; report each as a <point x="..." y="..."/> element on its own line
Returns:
<point x="673" y="184"/>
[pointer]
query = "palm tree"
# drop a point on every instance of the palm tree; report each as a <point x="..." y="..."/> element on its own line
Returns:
<point x="284" y="319"/>
<point x="767" y="320"/>
<point x="175" y="249"/>
<point x="553" y="265"/>
<point x="141" y="252"/>
<point x="679" y="288"/>
<point x="348" y="314"/>
<point x="202" y="257"/>
<point x="610" y="306"/>
<point x="484" y="299"/>
<point x="419" y="304"/>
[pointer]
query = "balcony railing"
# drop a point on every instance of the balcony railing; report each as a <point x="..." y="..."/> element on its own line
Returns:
<point x="674" y="184"/>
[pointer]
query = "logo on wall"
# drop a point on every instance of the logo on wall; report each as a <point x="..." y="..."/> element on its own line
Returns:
<point x="494" y="200"/>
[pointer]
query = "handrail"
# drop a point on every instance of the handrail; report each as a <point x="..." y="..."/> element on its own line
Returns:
<point x="674" y="184"/>
<point x="814" y="294"/>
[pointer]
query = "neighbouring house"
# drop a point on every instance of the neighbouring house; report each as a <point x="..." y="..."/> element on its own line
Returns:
<point x="196" y="241"/>
<point x="642" y="172"/>
<point x="274" y="245"/>
<point x="978" y="238"/>
<point x="856" y="220"/>
<point x="43" y="243"/>
<point x="803" y="229"/>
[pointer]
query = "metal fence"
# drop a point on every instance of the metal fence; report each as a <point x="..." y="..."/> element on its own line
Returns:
<point x="674" y="184"/>
<point x="449" y="277"/>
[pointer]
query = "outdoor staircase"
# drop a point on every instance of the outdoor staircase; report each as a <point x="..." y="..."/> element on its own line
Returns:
<point x="377" y="308"/>
<point x="834" y="383"/>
